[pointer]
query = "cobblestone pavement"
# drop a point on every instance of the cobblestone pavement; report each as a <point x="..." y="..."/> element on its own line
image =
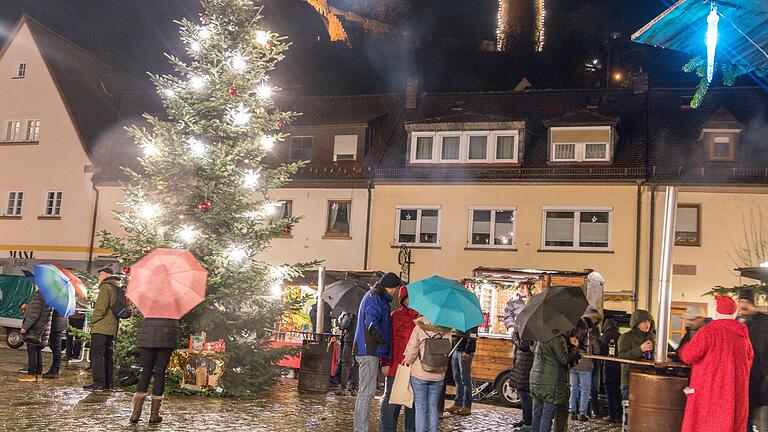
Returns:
<point x="62" y="405"/>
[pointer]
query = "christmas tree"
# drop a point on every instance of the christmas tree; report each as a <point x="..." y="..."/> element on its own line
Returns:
<point x="202" y="186"/>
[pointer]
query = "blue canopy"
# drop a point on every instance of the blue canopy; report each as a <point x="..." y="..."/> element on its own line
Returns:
<point x="683" y="27"/>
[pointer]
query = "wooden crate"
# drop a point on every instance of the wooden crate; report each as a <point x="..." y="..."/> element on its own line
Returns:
<point x="492" y="356"/>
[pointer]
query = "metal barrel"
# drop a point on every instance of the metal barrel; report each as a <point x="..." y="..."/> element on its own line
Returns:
<point x="315" y="367"/>
<point x="656" y="402"/>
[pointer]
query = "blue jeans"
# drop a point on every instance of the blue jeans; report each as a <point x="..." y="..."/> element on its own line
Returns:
<point x="369" y="372"/>
<point x="625" y="394"/>
<point x="390" y="412"/>
<point x="526" y="405"/>
<point x="581" y="387"/>
<point x="543" y="416"/>
<point x="426" y="396"/>
<point x="462" y="376"/>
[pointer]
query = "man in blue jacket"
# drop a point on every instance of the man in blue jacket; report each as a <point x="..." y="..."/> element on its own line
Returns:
<point x="373" y="337"/>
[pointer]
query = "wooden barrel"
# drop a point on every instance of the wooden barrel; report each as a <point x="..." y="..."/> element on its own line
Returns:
<point x="656" y="402"/>
<point x="315" y="367"/>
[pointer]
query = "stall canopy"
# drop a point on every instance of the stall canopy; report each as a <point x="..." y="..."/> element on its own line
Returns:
<point x="742" y="33"/>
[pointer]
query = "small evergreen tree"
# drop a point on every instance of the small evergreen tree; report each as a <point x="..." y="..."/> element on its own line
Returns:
<point x="202" y="186"/>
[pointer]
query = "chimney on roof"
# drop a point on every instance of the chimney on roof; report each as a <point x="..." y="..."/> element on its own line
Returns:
<point x="640" y="82"/>
<point x="412" y="93"/>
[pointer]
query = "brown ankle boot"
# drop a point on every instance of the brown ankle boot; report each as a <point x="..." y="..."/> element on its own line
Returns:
<point x="154" y="415"/>
<point x="138" y="404"/>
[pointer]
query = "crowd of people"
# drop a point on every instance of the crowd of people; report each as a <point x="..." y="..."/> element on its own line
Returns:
<point x="158" y="337"/>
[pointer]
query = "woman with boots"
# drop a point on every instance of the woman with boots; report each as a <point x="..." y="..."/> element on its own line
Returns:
<point x="36" y="329"/>
<point x="158" y="337"/>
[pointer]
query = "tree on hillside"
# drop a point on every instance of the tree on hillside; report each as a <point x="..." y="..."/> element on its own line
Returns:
<point x="202" y="185"/>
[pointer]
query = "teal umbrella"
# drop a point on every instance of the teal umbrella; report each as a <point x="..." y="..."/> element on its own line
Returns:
<point x="445" y="302"/>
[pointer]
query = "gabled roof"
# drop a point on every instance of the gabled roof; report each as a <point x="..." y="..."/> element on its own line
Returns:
<point x="90" y="88"/>
<point x="722" y="119"/>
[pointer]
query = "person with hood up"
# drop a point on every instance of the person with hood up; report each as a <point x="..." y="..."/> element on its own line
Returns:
<point x="549" y="383"/>
<point x="36" y="329"/>
<point x="373" y="338"/>
<point x="519" y="378"/>
<point x="581" y="373"/>
<point x="757" y="323"/>
<point x="609" y="343"/>
<point x="636" y="344"/>
<point x="402" y="327"/>
<point x="720" y="355"/>
<point x="427" y="386"/>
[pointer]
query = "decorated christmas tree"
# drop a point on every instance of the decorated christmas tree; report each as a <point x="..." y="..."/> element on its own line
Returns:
<point x="202" y="186"/>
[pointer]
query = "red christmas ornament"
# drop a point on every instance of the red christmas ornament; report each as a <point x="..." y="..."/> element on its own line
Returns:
<point x="287" y="230"/>
<point x="269" y="46"/>
<point x="126" y="270"/>
<point x="204" y="17"/>
<point x="205" y="206"/>
<point x="233" y="91"/>
<point x="280" y="124"/>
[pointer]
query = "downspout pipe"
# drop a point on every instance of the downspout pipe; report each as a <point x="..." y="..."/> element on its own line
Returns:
<point x="651" y="246"/>
<point x="665" y="273"/>
<point x="93" y="228"/>
<point x="368" y="225"/>
<point x="638" y="240"/>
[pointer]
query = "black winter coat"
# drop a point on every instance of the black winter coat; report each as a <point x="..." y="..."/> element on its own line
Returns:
<point x="758" y="377"/>
<point x="523" y="362"/>
<point x="37" y="321"/>
<point x="465" y="342"/>
<point x="611" y="369"/>
<point x="59" y="323"/>
<point x="158" y="333"/>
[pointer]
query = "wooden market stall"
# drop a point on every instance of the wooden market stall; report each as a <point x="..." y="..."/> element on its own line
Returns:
<point x="495" y="287"/>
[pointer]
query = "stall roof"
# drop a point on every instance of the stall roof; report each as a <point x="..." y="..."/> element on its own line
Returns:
<point x="501" y="272"/>
<point x="367" y="277"/>
<point x="683" y="26"/>
<point x="757" y="273"/>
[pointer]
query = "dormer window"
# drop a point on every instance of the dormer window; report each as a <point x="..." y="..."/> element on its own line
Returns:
<point x="344" y="148"/>
<point x="464" y="147"/>
<point x="720" y="144"/>
<point x="581" y="144"/>
<point x="21" y="70"/>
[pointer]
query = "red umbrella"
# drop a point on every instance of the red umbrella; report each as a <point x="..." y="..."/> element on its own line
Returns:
<point x="167" y="283"/>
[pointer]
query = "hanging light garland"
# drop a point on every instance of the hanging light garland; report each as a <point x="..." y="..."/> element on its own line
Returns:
<point x="711" y="39"/>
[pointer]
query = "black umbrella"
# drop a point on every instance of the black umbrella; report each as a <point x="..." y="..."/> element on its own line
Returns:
<point x="555" y="311"/>
<point x="344" y="295"/>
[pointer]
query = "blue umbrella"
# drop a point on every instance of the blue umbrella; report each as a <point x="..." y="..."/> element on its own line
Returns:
<point x="57" y="289"/>
<point x="445" y="302"/>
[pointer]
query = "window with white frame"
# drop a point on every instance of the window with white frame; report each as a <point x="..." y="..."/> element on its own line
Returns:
<point x="344" y="147"/>
<point x="33" y="130"/>
<point x="21" y="70"/>
<point x="52" y="204"/>
<point x="418" y="225"/>
<point x="492" y="227"/>
<point x="12" y="131"/>
<point x="464" y="147"/>
<point x="577" y="228"/>
<point x="580" y="144"/>
<point x="15" y="201"/>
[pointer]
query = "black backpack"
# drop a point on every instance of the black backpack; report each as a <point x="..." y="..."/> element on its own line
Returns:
<point x="436" y="354"/>
<point x="121" y="308"/>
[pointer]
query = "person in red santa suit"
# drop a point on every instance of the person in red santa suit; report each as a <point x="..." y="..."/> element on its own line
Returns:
<point x="720" y="355"/>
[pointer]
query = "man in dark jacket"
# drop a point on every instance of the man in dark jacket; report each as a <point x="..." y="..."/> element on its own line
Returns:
<point x="694" y="320"/>
<point x="609" y="344"/>
<point x="636" y="344"/>
<point x="373" y="343"/>
<point x="346" y="365"/>
<point x="520" y="379"/>
<point x="461" y="366"/>
<point x="757" y="323"/>
<point x="104" y="325"/>
<point x="36" y="328"/>
<point x="549" y="383"/>
<point x="59" y="324"/>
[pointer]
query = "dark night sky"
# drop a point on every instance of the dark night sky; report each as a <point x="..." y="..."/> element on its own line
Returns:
<point x="136" y="33"/>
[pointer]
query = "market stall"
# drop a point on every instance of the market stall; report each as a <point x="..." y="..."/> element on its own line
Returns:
<point x="495" y="287"/>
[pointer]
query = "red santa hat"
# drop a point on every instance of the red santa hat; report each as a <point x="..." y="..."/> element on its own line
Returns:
<point x="726" y="307"/>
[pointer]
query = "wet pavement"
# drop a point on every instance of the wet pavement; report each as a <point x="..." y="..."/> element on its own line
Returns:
<point x="62" y="405"/>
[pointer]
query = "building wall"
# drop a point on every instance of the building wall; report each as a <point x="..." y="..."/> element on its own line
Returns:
<point x="453" y="259"/>
<point x="57" y="163"/>
<point x="307" y="242"/>
<point x="726" y="215"/>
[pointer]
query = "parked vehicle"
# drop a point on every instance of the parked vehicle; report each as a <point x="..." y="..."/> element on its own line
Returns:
<point x="14" y="292"/>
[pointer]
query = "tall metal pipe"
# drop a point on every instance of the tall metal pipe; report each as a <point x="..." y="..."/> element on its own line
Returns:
<point x="320" y="321"/>
<point x="665" y="273"/>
